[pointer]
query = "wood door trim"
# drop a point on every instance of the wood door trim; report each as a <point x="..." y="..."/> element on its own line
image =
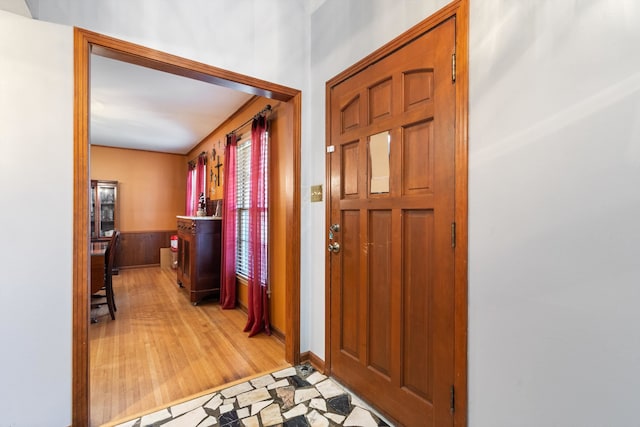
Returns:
<point x="81" y="310"/>
<point x="459" y="10"/>
<point x="86" y="42"/>
<point x="461" y="255"/>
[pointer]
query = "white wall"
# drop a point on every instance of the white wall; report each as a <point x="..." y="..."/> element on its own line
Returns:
<point x="554" y="213"/>
<point x="15" y="6"/>
<point x="554" y="169"/>
<point x="36" y="182"/>
<point x="554" y="204"/>
<point x="253" y="37"/>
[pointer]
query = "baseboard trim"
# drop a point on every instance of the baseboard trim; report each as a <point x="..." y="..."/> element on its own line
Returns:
<point x="313" y="359"/>
<point x="278" y="334"/>
<point x="131" y="267"/>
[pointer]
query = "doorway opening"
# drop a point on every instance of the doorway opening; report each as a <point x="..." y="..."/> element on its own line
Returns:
<point x="87" y="43"/>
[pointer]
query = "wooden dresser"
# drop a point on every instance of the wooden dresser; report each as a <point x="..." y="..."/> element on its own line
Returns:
<point x="199" y="246"/>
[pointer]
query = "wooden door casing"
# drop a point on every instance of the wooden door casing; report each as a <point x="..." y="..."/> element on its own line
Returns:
<point x="391" y="286"/>
<point x="87" y="43"/>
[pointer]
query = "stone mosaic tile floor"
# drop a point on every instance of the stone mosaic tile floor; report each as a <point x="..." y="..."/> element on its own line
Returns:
<point x="294" y="397"/>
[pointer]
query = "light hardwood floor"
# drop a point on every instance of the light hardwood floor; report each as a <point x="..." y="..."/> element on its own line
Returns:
<point x="161" y="349"/>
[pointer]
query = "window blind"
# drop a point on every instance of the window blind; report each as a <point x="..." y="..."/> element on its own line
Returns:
<point x="243" y="201"/>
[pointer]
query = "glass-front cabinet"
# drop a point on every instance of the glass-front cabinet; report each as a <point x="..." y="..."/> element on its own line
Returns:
<point x="104" y="209"/>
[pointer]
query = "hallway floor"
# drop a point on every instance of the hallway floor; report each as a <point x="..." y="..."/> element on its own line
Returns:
<point x="296" y="396"/>
<point x="131" y="371"/>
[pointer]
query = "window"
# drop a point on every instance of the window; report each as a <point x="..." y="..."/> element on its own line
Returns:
<point x="243" y="203"/>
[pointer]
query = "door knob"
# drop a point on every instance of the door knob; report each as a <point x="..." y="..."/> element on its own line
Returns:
<point x="334" y="247"/>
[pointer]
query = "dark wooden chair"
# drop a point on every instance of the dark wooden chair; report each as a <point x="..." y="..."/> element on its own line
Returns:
<point x="109" y="259"/>
<point x="110" y="256"/>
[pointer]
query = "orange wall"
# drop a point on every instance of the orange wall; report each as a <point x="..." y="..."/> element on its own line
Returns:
<point x="151" y="186"/>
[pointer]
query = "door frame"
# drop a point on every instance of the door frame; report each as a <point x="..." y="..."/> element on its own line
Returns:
<point x="460" y="10"/>
<point x="87" y="42"/>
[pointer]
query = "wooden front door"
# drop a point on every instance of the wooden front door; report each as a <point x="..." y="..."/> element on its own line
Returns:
<point x="392" y="199"/>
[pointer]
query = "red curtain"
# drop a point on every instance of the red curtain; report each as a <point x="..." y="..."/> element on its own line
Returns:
<point x="196" y="176"/>
<point x="258" y="297"/>
<point x="189" y="205"/>
<point x="201" y="175"/>
<point x="228" y="274"/>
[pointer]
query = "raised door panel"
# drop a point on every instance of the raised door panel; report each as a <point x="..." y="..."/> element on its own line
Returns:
<point x="379" y="291"/>
<point x="350" y="292"/>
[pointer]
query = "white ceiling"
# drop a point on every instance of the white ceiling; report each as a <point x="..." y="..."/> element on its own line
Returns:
<point x="140" y="108"/>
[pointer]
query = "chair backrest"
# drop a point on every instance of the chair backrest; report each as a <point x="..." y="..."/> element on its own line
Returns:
<point x="110" y="253"/>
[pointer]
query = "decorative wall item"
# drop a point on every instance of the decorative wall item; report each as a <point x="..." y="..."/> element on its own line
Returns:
<point x="216" y="172"/>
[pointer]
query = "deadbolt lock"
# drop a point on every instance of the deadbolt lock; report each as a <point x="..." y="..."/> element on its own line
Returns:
<point x="333" y="228"/>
